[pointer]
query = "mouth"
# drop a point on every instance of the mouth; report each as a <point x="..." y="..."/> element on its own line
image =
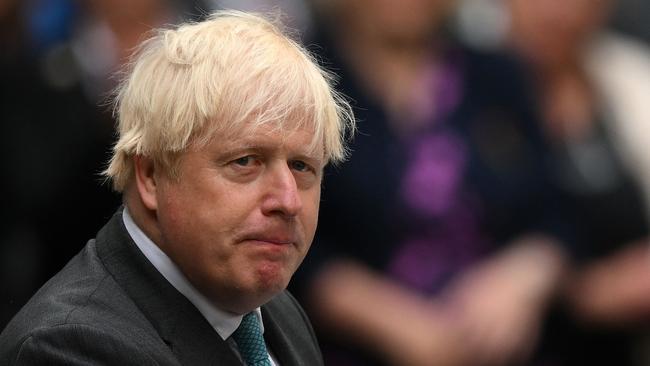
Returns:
<point x="269" y="241"/>
<point x="277" y="238"/>
<point x="273" y="249"/>
<point x="272" y="238"/>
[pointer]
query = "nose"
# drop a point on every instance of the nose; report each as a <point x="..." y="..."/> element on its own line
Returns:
<point x="283" y="195"/>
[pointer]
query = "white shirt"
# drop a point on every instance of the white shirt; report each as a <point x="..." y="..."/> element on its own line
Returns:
<point x="223" y="322"/>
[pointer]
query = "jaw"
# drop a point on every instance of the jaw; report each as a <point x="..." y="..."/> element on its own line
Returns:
<point x="248" y="289"/>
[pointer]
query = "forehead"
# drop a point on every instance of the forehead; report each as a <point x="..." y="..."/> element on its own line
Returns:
<point x="297" y="137"/>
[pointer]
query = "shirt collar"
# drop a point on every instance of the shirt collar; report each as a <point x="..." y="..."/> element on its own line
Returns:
<point x="224" y="322"/>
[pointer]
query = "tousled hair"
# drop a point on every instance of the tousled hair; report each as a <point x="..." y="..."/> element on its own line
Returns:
<point x="233" y="70"/>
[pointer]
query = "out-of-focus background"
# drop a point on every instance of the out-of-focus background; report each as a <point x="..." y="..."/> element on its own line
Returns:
<point x="494" y="210"/>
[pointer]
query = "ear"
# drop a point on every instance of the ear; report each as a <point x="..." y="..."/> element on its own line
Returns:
<point x="146" y="181"/>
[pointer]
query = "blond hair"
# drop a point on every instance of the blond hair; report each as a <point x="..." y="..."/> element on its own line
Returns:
<point x="231" y="71"/>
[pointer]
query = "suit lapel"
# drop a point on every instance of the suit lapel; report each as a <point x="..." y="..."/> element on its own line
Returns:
<point x="179" y="324"/>
<point x="278" y="340"/>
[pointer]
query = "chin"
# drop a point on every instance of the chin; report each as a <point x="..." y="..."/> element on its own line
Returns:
<point x="273" y="278"/>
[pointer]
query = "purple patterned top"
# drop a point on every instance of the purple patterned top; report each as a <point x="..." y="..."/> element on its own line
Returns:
<point x="433" y="190"/>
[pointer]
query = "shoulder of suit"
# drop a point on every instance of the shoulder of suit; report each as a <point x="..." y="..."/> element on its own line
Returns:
<point x="83" y="305"/>
<point x="71" y="343"/>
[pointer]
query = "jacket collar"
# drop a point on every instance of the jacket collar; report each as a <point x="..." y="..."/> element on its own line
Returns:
<point x="180" y="325"/>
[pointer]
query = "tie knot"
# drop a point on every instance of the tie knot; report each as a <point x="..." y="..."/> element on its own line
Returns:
<point x="250" y="341"/>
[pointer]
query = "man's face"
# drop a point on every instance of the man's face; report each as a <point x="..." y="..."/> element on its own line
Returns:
<point x="243" y="214"/>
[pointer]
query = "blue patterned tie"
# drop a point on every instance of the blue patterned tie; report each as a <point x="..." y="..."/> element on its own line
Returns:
<point x="250" y="341"/>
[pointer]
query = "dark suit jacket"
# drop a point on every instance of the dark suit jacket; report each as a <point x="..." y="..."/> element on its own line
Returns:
<point x="110" y="306"/>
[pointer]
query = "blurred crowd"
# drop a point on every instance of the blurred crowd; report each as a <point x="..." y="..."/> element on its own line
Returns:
<point x="495" y="206"/>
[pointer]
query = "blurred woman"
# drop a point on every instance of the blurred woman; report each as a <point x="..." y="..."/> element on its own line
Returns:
<point x="593" y="89"/>
<point x="438" y="240"/>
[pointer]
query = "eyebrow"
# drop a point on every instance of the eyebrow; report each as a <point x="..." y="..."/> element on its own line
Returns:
<point x="263" y="145"/>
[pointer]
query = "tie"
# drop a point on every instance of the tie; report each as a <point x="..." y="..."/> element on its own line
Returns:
<point x="250" y="341"/>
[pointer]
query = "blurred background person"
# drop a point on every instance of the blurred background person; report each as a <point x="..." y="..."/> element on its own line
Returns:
<point x="439" y="240"/>
<point x="593" y="89"/>
<point x="56" y="66"/>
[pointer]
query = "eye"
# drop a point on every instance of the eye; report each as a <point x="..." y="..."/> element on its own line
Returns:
<point x="243" y="161"/>
<point x="299" y="165"/>
<point x="246" y="163"/>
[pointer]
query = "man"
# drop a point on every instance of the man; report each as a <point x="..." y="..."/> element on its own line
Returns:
<point x="224" y="129"/>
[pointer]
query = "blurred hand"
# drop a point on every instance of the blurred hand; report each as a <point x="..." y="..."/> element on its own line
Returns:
<point x="499" y="304"/>
<point x="430" y="338"/>
<point x="401" y="326"/>
<point x="614" y="290"/>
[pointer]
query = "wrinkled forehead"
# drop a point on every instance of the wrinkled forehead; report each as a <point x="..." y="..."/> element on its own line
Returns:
<point x="276" y="130"/>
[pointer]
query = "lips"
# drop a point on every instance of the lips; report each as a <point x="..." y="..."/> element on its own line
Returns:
<point x="270" y="233"/>
<point x="274" y="238"/>
<point x="274" y="241"/>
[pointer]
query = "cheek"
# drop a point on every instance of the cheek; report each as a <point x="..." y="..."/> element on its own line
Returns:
<point x="198" y="241"/>
<point x="205" y="206"/>
<point x="190" y="222"/>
